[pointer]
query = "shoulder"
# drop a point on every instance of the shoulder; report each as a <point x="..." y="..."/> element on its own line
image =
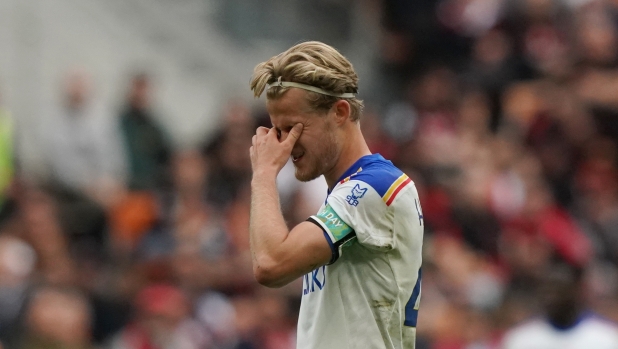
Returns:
<point x="382" y="176"/>
<point x="526" y="331"/>
<point x="599" y="323"/>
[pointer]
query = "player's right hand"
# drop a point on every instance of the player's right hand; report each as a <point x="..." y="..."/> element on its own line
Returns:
<point x="268" y="153"/>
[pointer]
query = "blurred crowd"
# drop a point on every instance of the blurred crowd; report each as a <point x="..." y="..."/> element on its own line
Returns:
<point x="504" y="113"/>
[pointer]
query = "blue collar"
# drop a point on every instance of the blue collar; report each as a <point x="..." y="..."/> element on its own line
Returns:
<point x="583" y="316"/>
<point x="360" y="163"/>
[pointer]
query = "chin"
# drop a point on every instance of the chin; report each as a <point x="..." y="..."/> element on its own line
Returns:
<point x="305" y="176"/>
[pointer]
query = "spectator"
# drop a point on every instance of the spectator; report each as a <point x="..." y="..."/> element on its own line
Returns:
<point x="57" y="318"/>
<point x="81" y="144"/>
<point x="228" y="156"/>
<point x="147" y="146"/>
<point x="203" y="254"/>
<point x="42" y="229"/>
<point x="162" y="321"/>
<point x="18" y="261"/>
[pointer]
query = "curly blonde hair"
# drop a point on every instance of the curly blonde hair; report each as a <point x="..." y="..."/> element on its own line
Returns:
<point x="312" y="63"/>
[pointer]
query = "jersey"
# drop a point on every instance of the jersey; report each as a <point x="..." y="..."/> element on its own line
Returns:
<point x="589" y="332"/>
<point x="368" y="295"/>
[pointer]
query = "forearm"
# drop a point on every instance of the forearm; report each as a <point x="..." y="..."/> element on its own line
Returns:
<point x="278" y="255"/>
<point x="267" y="228"/>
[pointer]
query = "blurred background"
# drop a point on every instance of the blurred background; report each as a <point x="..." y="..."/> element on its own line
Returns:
<point x="124" y="170"/>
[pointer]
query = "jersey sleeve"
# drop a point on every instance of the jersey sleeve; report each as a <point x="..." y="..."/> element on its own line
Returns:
<point x="355" y="210"/>
<point x="336" y="231"/>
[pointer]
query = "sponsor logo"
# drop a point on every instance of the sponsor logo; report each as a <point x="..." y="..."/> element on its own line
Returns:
<point x="335" y="225"/>
<point x="315" y="280"/>
<point x="357" y="193"/>
<point x="332" y="220"/>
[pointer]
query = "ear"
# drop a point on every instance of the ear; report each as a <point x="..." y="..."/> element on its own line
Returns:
<point x="342" y="111"/>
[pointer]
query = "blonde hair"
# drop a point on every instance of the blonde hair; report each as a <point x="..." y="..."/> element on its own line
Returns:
<point x="312" y="63"/>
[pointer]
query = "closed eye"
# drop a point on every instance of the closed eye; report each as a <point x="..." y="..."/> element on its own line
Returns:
<point x="286" y="129"/>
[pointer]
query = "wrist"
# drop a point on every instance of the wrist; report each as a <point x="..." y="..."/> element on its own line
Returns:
<point x="263" y="177"/>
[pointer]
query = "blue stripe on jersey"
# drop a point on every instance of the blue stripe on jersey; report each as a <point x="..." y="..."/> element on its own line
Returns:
<point x="334" y="250"/>
<point x="378" y="172"/>
<point x="411" y="313"/>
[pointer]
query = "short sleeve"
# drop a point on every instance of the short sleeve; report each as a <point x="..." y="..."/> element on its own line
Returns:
<point x="337" y="232"/>
<point x="363" y="209"/>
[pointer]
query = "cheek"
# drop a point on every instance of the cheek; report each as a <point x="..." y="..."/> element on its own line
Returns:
<point x="306" y="142"/>
<point x="314" y="144"/>
<point x="321" y="150"/>
<point x="299" y="146"/>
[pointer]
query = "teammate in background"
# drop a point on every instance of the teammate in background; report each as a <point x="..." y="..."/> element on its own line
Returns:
<point x="361" y="253"/>
<point x="567" y="323"/>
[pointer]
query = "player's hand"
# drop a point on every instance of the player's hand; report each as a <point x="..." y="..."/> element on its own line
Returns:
<point x="268" y="154"/>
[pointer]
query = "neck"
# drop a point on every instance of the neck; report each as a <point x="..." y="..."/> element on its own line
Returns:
<point x="565" y="318"/>
<point x="354" y="148"/>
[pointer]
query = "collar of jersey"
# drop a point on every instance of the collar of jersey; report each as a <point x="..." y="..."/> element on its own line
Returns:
<point x="360" y="163"/>
<point x="585" y="315"/>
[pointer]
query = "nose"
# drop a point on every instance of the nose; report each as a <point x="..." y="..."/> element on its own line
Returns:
<point x="283" y="135"/>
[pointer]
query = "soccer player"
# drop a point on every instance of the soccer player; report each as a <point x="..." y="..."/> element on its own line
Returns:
<point x="360" y="255"/>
